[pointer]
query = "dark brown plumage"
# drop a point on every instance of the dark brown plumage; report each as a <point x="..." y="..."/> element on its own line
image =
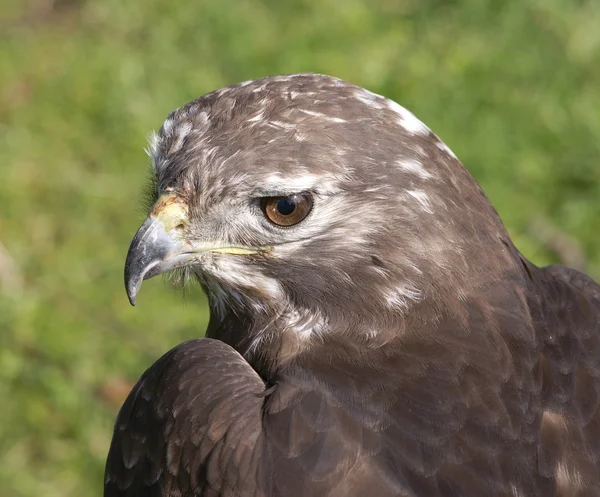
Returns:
<point x="392" y="343"/>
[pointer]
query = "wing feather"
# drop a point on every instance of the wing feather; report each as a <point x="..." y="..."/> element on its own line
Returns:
<point x="191" y="426"/>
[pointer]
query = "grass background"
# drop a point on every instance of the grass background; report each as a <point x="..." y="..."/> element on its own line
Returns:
<point x="513" y="88"/>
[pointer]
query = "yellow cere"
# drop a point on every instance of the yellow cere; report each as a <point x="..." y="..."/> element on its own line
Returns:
<point x="171" y="211"/>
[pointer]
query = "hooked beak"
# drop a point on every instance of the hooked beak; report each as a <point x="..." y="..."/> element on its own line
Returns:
<point x="160" y="245"/>
<point x="157" y="246"/>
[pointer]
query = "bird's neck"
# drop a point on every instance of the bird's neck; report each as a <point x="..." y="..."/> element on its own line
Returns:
<point x="422" y="336"/>
<point x="273" y="349"/>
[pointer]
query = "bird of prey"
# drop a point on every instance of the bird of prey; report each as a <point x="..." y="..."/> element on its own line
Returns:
<point x="373" y="329"/>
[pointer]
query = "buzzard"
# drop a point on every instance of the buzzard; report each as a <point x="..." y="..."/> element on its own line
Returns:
<point x="373" y="329"/>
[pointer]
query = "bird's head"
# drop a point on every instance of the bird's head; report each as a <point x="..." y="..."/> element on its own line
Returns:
<point x="309" y="201"/>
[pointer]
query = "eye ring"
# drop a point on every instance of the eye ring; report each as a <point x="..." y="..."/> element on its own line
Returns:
<point x="287" y="211"/>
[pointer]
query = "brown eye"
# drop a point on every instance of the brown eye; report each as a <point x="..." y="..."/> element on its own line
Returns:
<point x="287" y="211"/>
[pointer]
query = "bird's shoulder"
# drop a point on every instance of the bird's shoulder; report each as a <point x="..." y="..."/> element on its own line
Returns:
<point x="566" y="313"/>
<point x="191" y="426"/>
<point x="567" y="320"/>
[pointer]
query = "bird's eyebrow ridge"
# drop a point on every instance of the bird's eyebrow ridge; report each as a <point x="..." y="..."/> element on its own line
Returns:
<point x="285" y="192"/>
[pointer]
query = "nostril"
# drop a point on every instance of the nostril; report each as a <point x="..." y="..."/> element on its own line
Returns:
<point x="180" y="227"/>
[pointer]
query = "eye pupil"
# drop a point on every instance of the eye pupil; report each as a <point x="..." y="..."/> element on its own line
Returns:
<point x="286" y="206"/>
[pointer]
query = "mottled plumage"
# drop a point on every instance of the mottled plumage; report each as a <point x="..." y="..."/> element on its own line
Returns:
<point x="393" y="342"/>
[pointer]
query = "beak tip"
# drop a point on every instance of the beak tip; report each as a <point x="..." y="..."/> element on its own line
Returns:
<point x="132" y="288"/>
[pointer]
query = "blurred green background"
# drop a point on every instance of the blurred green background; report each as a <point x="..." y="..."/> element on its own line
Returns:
<point x="513" y="88"/>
